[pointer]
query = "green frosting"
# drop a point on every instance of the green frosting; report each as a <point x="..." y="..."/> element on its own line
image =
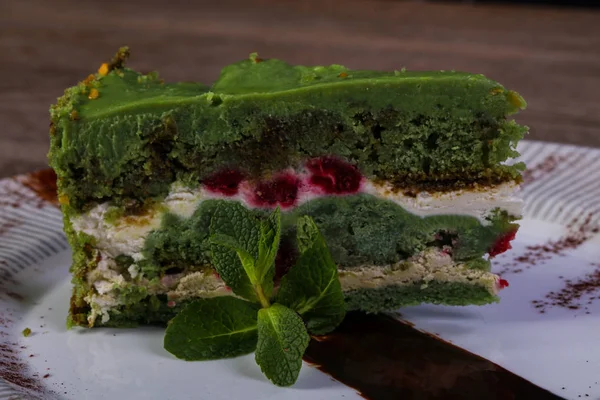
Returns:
<point x="126" y="136"/>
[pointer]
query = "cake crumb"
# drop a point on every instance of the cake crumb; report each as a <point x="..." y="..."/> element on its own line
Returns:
<point x="104" y="69"/>
<point x="94" y="94"/>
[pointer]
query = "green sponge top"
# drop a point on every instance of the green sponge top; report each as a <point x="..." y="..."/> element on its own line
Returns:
<point x="120" y="135"/>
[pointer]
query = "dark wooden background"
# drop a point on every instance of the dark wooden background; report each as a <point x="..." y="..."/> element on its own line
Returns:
<point x="551" y="56"/>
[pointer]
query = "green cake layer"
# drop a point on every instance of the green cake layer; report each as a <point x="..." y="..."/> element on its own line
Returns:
<point x="123" y="136"/>
<point x="361" y="231"/>
<point x="394" y="297"/>
<point x="155" y="310"/>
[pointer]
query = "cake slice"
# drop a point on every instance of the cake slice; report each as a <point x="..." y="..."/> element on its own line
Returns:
<point x="403" y="172"/>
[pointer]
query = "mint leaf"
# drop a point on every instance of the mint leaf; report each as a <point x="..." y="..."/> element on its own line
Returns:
<point x="228" y="264"/>
<point x="312" y="287"/>
<point x="282" y="340"/>
<point x="235" y="230"/>
<point x="268" y="244"/>
<point x="213" y="328"/>
<point x="234" y="247"/>
<point x="242" y="279"/>
<point x="234" y="220"/>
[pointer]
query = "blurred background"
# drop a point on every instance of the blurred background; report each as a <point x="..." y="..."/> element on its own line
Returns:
<point x="549" y="51"/>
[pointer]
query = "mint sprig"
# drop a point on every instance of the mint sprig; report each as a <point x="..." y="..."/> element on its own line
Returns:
<point x="243" y="251"/>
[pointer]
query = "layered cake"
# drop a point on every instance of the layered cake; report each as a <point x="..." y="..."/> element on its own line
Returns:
<point x="404" y="173"/>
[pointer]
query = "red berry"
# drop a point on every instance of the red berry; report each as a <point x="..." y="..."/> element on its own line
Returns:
<point x="502" y="244"/>
<point x="334" y="176"/>
<point x="503" y="283"/>
<point x="282" y="191"/>
<point x="225" y="182"/>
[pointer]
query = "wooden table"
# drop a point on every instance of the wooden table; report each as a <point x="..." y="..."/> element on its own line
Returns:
<point x="552" y="57"/>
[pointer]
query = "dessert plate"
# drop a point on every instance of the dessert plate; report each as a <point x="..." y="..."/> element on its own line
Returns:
<point x="545" y="329"/>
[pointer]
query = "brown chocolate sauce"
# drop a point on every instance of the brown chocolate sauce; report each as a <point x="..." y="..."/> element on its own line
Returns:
<point x="43" y="183"/>
<point x="384" y="358"/>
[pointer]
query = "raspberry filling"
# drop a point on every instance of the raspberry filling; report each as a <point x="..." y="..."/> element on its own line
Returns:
<point x="502" y="283"/>
<point x="226" y="182"/>
<point x="334" y="176"/>
<point x="282" y="191"/>
<point x="502" y="244"/>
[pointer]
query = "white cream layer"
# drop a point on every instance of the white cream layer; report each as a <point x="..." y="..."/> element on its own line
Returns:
<point x="127" y="235"/>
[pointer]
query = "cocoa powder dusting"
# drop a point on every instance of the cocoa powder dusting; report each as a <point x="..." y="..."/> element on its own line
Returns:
<point x="580" y="230"/>
<point x="16" y="195"/>
<point x="575" y="295"/>
<point x="544" y="168"/>
<point x="13" y="370"/>
<point x="8" y="223"/>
